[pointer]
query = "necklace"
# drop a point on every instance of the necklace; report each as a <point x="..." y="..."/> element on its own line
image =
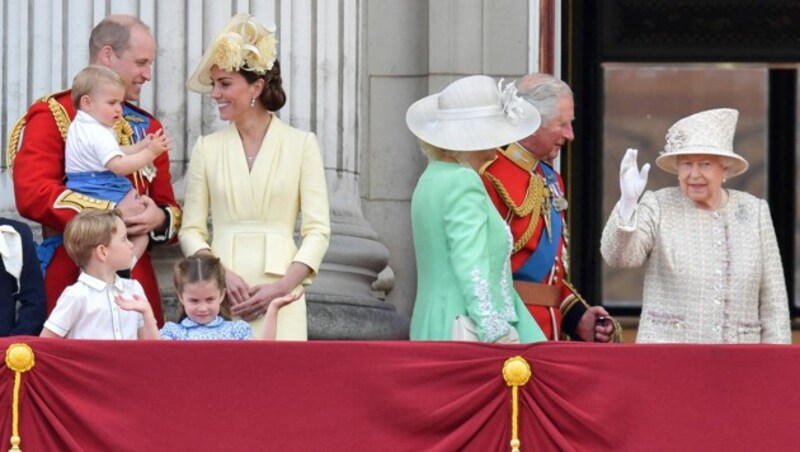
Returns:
<point x="251" y="160"/>
<point x="248" y="144"/>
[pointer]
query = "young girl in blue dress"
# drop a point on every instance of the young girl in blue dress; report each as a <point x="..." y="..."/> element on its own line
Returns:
<point x="204" y="310"/>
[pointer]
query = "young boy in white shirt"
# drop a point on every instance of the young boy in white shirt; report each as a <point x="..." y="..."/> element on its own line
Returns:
<point x="95" y="163"/>
<point x="101" y="305"/>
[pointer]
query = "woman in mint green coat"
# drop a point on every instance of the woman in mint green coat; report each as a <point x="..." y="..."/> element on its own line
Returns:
<point x="462" y="244"/>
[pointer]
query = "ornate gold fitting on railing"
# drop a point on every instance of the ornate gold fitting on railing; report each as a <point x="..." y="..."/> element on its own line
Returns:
<point x="516" y="372"/>
<point x="19" y="358"/>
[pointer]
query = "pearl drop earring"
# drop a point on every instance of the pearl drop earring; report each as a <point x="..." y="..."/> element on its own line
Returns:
<point x="252" y="102"/>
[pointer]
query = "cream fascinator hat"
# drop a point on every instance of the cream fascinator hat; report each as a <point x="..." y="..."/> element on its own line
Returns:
<point x="472" y="114"/>
<point x="708" y="132"/>
<point x="242" y="44"/>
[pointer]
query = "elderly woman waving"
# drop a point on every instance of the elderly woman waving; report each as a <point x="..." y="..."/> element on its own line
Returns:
<point x="462" y="245"/>
<point x="713" y="274"/>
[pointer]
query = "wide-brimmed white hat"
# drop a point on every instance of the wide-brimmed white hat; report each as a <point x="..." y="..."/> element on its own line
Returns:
<point x="472" y="114"/>
<point x="243" y="43"/>
<point x="709" y="132"/>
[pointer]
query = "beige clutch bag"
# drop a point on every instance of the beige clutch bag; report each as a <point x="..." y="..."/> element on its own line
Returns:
<point x="464" y="329"/>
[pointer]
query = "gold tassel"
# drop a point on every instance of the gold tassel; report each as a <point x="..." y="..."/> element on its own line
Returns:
<point x="516" y="372"/>
<point x="19" y="358"/>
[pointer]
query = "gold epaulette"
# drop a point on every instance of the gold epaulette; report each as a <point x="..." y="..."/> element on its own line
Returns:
<point x="520" y="157"/>
<point x="69" y="199"/>
<point x="59" y="115"/>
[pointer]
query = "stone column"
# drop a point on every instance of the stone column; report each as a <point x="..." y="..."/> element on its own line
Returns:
<point x="346" y="301"/>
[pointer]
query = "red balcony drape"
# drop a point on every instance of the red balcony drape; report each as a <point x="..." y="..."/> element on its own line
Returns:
<point x="405" y="396"/>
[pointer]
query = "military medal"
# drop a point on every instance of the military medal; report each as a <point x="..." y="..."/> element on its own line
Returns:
<point x="546" y="217"/>
<point x="559" y="201"/>
<point x="560" y="204"/>
<point x="149" y="172"/>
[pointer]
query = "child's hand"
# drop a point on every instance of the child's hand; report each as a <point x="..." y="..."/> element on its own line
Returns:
<point x="280" y="302"/>
<point x="269" y="328"/>
<point x="137" y="303"/>
<point x="159" y="142"/>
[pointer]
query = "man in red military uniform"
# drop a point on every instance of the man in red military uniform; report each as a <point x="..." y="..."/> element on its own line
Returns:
<point x="126" y="45"/>
<point x="529" y="194"/>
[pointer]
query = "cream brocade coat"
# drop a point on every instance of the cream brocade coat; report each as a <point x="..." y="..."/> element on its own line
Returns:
<point x="711" y="277"/>
<point x="254" y="212"/>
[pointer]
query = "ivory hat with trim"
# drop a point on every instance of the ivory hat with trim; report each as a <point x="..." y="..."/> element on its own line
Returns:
<point x="471" y="114"/>
<point x="708" y="132"/>
<point x="242" y="43"/>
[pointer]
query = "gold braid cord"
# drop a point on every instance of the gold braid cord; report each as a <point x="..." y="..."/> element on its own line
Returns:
<point x="516" y="372"/>
<point x="535" y="198"/>
<point x="565" y="307"/>
<point x="60" y="115"/>
<point x="526" y="236"/>
<point x="577" y="298"/>
<point x="20" y="359"/>
<point x="124" y="132"/>
<point x="617" y="331"/>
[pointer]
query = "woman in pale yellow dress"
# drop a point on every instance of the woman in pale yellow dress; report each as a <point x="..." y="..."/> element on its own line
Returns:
<point x="255" y="177"/>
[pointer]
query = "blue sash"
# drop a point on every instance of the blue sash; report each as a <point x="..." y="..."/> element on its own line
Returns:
<point x="46" y="250"/>
<point x="541" y="262"/>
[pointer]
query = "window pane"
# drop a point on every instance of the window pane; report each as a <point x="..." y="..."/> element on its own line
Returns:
<point x="641" y="102"/>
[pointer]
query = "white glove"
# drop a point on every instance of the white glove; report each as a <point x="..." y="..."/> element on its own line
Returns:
<point x="631" y="184"/>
